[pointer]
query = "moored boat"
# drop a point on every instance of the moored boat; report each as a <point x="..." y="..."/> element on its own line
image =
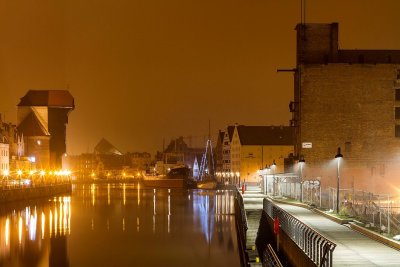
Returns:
<point x="207" y="184"/>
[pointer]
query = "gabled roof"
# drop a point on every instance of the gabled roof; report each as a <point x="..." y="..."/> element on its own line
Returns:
<point x="265" y="135"/>
<point x="230" y="130"/>
<point x="106" y="148"/>
<point x="221" y="135"/>
<point x="48" y="98"/>
<point x="31" y="126"/>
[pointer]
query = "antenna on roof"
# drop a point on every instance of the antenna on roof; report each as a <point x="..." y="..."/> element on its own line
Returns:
<point x="303" y="11"/>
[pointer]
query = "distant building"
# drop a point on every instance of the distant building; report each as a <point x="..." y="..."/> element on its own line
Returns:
<point x="348" y="99"/>
<point x="226" y="152"/>
<point x="42" y="116"/>
<point x="218" y="152"/>
<point x="140" y="161"/>
<point x="108" y="162"/>
<point x="12" y="153"/>
<point x="247" y="149"/>
<point x="179" y="153"/>
<point x="104" y="147"/>
<point x="4" y="157"/>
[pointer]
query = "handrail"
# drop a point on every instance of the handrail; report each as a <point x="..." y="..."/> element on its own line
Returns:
<point x="270" y="258"/>
<point x="317" y="247"/>
<point x="241" y="226"/>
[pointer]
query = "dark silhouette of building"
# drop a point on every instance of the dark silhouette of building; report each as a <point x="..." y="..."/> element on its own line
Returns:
<point x="42" y="117"/>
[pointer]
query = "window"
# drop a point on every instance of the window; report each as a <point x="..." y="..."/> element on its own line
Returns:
<point x="397" y="113"/>
<point x="382" y="169"/>
<point x="397" y="131"/>
<point x="397" y="94"/>
<point x="398" y="74"/>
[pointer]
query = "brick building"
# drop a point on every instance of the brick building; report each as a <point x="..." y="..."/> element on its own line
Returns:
<point x="42" y="117"/>
<point x="348" y="99"/>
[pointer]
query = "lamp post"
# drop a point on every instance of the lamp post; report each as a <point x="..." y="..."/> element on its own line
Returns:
<point x="273" y="166"/>
<point x="338" y="158"/>
<point x="301" y="162"/>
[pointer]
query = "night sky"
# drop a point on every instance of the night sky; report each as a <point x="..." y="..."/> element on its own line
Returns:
<point x="144" y="71"/>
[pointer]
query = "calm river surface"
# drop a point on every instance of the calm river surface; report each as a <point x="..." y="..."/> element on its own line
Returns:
<point x="121" y="225"/>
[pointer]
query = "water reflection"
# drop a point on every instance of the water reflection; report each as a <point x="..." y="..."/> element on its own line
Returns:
<point x="24" y="240"/>
<point x="122" y="225"/>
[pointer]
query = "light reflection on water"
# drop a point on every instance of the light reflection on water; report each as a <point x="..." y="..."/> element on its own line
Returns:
<point x="122" y="225"/>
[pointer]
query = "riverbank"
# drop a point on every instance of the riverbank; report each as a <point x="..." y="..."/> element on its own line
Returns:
<point x="33" y="192"/>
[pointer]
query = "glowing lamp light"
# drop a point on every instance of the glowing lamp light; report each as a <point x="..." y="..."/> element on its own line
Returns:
<point x="6" y="172"/>
<point x="19" y="172"/>
<point x="42" y="173"/>
<point x="39" y="142"/>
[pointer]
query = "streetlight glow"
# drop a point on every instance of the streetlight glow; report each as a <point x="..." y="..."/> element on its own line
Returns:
<point x="338" y="157"/>
<point x="301" y="162"/>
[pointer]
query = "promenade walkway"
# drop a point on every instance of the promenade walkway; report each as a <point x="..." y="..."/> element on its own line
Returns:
<point x="353" y="248"/>
<point x="253" y="204"/>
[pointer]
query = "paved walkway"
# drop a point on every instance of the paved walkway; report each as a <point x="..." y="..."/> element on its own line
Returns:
<point x="252" y="200"/>
<point x="353" y="248"/>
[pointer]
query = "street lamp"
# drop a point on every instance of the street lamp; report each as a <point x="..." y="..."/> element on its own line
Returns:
<point x="273" y="166"/>
<point x="338" y="157"/>
<point x="301" y="162"/>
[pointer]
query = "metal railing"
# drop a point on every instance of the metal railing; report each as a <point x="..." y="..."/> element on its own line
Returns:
<point x="317" y="247"/>
<point x="241" y="226"/>
<point x="270" y="258"/>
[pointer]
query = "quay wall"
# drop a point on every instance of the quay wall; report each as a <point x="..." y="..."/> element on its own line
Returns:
<point x="289" y="253"/>
<point x="18" y="194"/>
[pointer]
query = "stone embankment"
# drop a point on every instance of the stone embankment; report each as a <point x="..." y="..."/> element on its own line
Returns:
<point x="32" y="192"/>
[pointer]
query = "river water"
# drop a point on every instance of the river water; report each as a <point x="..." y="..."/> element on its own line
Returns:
<point x="121" y="225"/>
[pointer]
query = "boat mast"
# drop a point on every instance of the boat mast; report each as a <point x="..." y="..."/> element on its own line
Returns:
<point x="207" y="161"/>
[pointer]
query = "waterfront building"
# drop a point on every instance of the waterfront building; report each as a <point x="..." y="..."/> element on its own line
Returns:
<point x="255" y="147"/>
<point x="4" y="157"/>
<point x="226" y="154"/>
<point x="218" y="155"/>
<point x="42" y="116"/>
<point x="247" y="149"/>
<point x="348" y="99"/>
<point x="177" y="153"/>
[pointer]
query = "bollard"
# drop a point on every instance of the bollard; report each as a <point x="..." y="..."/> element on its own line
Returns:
<point x="243" y="188"/>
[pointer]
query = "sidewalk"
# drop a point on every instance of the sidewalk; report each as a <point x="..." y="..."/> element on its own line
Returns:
<point x="353" y="248"/>
<point x="253" y="204"/>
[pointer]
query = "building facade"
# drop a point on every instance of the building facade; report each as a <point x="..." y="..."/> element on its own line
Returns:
<point x="348" y="99"/>
<point x="226" y="153"/>
<point x="42" y="116"/>
<point x="252" y="148"/>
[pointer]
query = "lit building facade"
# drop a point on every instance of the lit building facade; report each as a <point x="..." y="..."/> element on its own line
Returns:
<point x="4" y="158"/>
<point x="42" y="116"/>
<point x="348" y="99"/>
<point x="251" y="148"/>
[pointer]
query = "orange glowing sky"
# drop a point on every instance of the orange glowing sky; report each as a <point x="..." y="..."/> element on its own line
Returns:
<point x="141" y="71"/>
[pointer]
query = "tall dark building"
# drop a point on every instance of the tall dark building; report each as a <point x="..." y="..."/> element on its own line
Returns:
<point x="42" y="119"/>
<point x="350" y="99"/>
